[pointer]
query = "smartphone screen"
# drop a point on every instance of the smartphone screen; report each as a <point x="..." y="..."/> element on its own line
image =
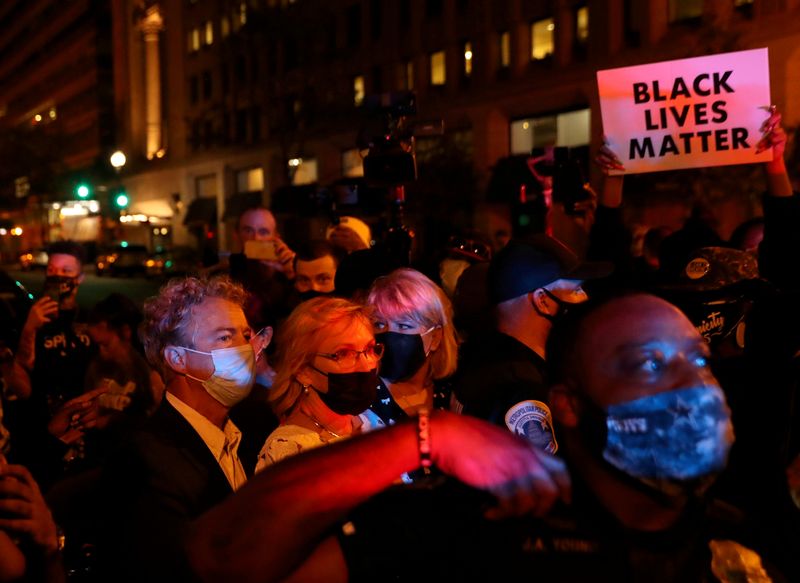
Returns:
<point x="262" y="250"/>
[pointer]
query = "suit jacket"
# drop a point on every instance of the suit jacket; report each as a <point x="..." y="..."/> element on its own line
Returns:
<point x="159" y="482"/>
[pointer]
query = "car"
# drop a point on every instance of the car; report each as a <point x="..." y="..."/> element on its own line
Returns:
<point x="33" y="259"/>
<point x="174" y="262"/>
<point x="122" y="260"/>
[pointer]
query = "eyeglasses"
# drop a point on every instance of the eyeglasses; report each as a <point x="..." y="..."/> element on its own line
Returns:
<point x="348" y="356"/>
<point x="471" y="247"/>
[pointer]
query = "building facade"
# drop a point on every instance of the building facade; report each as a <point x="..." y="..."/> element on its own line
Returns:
<point x="220" y="102"/>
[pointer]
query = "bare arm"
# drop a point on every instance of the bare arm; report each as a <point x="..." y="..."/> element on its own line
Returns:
<point x="274" y="523"/>
<point x="778" y="183"/>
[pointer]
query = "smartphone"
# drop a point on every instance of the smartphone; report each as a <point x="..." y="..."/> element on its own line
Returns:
<point x="52" y="290"/>
<point x="261" y="250"/>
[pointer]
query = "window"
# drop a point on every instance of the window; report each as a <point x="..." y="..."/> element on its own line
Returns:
<point x="376" y="17"/>
<point x="194" y="89"/>
<point x="250" y="180"/>
<point x="438" y="70"/>
<point x="685" y="9"/>
<point x="467" y="59"/>
<point x="242" y="14"/>
<point x="354" y="26"/>
<point x="305" y="170"/>
<point x="224" y="27"/>
<point x="241" y="125"/>
<point x="352" y="163"/>
<point x="542" y="39"/>
<point x="208" y="38"/>
<point x="255" y="123"/>
<point x="407" y="74"/>
<point x="224" y="75"/>
<point x="564" y="129"/>
<point x="206" y="186"/>
<point x="358" y="90"/>
<point x="405" y="14"/>
<point x="582" y="24"/>
<point x="505" y="49"/>
<point x="194" y="40"/>
<point x="240" y="69"/>
<point x="207" y="85"/>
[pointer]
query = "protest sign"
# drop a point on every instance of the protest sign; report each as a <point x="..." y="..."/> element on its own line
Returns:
<point x="688" y="113"/>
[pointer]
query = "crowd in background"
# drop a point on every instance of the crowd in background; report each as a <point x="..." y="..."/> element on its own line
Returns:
<point x="303" y="412"/>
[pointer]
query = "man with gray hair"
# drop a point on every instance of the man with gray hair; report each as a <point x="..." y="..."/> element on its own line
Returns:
<point x="186" y="459"/>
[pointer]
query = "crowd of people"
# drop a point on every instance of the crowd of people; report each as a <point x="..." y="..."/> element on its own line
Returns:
<point x="326" y="414"/>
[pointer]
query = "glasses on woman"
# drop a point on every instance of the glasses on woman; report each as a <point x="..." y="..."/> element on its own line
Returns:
<point x="348" y="357"/>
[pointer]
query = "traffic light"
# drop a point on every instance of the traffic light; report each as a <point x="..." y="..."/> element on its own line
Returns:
<point x="83" y="191"/>
<point x="121" y="200"/>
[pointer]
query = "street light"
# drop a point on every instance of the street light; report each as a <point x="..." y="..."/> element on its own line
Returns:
<point x="118" y="160"/>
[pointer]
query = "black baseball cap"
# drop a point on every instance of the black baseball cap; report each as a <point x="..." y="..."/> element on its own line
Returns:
<point x="536" y="261"/>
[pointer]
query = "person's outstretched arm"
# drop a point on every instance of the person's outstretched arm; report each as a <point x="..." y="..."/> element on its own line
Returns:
<point x="284" y="515"/>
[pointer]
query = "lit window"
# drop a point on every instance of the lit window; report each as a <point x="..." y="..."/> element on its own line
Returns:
<point x="243" y="13"/>
<point x="352" y="163"/>
<point x="52" y="113"/>
<point x="224" y="27"/>
<point x="505" y="49"/>
<point x="209" y="33"/>
<point x="685" y="9"/>
<point x="582" y="24"/>
<point x="409" y="75"/>
<point x="250" y="180"/>
<point x="305" y="170"/>
<point x="542" y="38"/>
<point x="742" y="2"/>
<point x="467" y="59"/>
<point x="438" y="74"/>
<point x="194" y="40"/>
<point x="569" y="129"/>
<point x="358" y="90"/>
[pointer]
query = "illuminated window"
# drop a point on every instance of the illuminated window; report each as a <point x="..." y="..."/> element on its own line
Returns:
<point x="438" y="72"/>
<point x="505" y="49"/>
<point x="408" y="75"/>
<point x="304" y="170"/>
<point x="194" y="40"/>
<point x="582" y="24"/>
<point x="685" y="9"/>
<point x="224" y="27"/>
<point x="352" y="163"/>
<point x="358" y="90"/>
<point x="209" y="33"/>
<point x="250" y="180"/>
<point x="570" y="129"/>
<point x="467" y="59"/>
<point x="542" y="38"/>
<point x="243" y="13"/>
<point x="742" y="2"/>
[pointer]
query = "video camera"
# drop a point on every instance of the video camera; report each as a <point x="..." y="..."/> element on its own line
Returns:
<point x="388" y="135"/>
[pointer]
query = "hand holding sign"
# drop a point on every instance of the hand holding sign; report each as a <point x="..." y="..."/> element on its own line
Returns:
<point x="687" y="113"/>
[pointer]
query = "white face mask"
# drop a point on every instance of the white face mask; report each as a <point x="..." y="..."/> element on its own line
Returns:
<point x="234" y="373"/>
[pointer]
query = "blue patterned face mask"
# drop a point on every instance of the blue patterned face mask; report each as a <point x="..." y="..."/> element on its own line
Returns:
<point x="675" y="442"/>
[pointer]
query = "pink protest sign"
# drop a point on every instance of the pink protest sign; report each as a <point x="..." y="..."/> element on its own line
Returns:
<point x="688" y="113"/>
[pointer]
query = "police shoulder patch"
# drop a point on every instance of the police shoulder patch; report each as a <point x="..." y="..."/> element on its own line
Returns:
<point x="532" y="419"/>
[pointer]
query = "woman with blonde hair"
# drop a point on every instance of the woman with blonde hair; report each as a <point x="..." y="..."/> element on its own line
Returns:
<point x="413" y="319"/>
<point x="326" y="377"/>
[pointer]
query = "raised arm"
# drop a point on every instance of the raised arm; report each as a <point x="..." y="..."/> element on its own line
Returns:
<point x="267" y="529"/>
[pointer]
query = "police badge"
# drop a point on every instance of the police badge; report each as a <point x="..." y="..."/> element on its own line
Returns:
<point x="532" y="420"/>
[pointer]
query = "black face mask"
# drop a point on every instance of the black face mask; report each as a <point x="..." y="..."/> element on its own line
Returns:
<point x="563" y="306"/>
<point x="403" y="356"/>
<point x="312" y="293"/>
<point x="59" y="287"/>
<point x="349" y="393"/>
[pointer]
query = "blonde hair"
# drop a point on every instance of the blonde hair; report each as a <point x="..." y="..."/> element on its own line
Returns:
<point x="300" y="336"/>
<point x="167" y="315"/>
<point x="410" y="294"/>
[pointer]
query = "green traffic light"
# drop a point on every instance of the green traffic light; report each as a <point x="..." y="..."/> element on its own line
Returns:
<point x="121" y="201"/>
<point x="82" y="190"/>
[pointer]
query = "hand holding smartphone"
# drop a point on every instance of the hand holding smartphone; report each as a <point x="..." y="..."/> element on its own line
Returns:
<point x="260" y="250"/>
